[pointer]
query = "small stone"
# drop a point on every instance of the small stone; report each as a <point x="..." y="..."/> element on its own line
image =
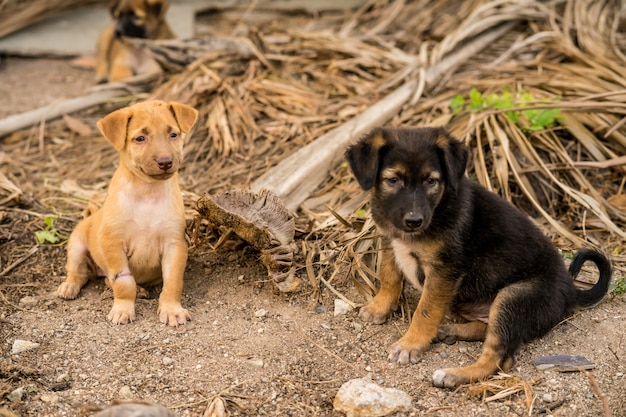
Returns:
<point x="20" y="346"/>
<point x="261" y="313"/>
<point x="326" y="326"/>
<point x="443" y="355"/>
<point x="341" y="307"/>
<point x="167" y="361"/>
<point x="16" y="395"/>
<point x="256" y="362"/>
<point x="362" y="397"/>
<point x="63" y="378"/>
<point x="49" y="398"/>
<point x="321" y="309"/>
<point x="28" y="300"/>
<point x="125" y="393"/>
<point x="547" y="398"/>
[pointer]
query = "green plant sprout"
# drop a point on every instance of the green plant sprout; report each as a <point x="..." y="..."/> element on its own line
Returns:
<point x="531" y="119"/>
<point x="50" y="235"/>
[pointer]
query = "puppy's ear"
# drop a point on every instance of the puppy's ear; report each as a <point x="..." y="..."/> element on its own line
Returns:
<point x="455" y="157"/>
<point x="114" y="127"/>
<point x="157" y="7"/>
<point x="185" y="116"/>
<point x="114" y="9"/>
<point x="364" y="157"/>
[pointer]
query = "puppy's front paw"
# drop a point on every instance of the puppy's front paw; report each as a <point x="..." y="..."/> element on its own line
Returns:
<point x="68" y="290"/>
<point x="123" y="312"/>
<point x="405" y="351"/>
<point x="375" y="312"/>
<point x="173" y="314"/>
<point x="447" y="378"/>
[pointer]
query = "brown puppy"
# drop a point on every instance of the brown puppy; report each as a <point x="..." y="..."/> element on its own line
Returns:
<point x="138" y="236"/>
<point x="467" y="248"/>
<point x="116" y="59"/>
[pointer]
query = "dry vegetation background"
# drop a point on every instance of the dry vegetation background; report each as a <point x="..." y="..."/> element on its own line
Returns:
<point x="542" y="106"/>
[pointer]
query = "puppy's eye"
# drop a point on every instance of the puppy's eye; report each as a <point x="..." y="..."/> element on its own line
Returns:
<point x="140" y="139"/>
<point x="432" y="181"/>
<point x="392" y="181"/>
<point x="173" y="135"/>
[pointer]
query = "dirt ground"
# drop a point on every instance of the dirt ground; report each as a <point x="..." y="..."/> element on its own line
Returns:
<point x="264" y="353"/>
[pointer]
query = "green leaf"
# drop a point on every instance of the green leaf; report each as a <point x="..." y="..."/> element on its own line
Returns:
<point x="361" y="213"/>
<point x="457" y="103"/>
<point x="47" y="236"/>
<point x="475" y="99"/>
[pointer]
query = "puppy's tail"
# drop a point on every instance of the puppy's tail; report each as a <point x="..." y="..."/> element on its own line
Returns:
<point x="591" y="297"/>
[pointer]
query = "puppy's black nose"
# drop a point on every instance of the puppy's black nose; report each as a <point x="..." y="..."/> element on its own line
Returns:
<point x="165" y="163"/>
<point x="413" y="220"/>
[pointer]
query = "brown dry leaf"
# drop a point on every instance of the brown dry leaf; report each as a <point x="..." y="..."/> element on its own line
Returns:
<point x="618" y="201"/>
<point x="77" y="125"/>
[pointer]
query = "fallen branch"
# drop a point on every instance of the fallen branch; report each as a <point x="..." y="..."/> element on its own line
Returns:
<point x="297" y="176"/>
<point x="98" y="95"/>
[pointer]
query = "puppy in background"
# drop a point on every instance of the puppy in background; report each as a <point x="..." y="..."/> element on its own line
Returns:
<point x="138" y="236"/>
<point x="116" y="59"/>
<point x="468" y="249"/>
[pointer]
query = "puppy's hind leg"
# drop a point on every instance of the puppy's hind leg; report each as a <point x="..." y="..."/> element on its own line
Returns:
<point x="468" y="332"/>
<point x="78" y="263"/>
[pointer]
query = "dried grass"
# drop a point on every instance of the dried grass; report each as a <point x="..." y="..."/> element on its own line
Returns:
<point x="267" y="92"/>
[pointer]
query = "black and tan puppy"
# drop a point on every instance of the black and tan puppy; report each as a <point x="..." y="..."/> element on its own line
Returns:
<point x="116" y="59"/>
<point x="468" y="249"/>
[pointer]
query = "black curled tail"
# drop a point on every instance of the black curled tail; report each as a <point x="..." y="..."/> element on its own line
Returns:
<point x="592" y="296"/>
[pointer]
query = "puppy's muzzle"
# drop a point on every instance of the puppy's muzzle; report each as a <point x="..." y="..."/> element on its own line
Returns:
<point x="165" y="163"/>
<point x="413" y="221"/>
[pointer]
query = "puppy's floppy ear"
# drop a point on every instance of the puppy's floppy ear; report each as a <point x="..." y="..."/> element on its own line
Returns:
<point x="185" y="116"/>
<point x="157" y="7"/>
<point x="455" y="157"/>
<point x="113" y="8"/>
<point x="114" y="127"/>
<point x="364" y="157"/>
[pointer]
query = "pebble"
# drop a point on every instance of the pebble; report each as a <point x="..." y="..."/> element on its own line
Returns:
<point x="261" y="313"/>
<point x="16" y="395"/>
<point x="63" y="378"/>
<point x="257" y="362"/>
<point x="444" y="355"/>
<point x="341" y="307"/>
<point x="126" y="393"/>
<point x="362" y="397"/>
<point x="49" y="398"/>
<point x="20" y="346"/>
<point x="321" y="309"/>
<point x="547" y="398"/>
<point x="28" y="300"/>
<point x="167" y="361"/>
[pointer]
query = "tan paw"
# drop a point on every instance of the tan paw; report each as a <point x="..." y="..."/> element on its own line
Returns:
<point x="374" y="312"/>
<point x="68" y="290"/>
<point x="173" y="314"/>
<point x="123" y="312"/>
<point x="448" y="378"/>
<point x="404" y="352"/>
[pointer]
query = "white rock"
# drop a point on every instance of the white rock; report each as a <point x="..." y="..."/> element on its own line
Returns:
<point x="362" y="397"/>
<point x="126" y="393"/>
<point x="28" y="300"/>
<point x="261" y="313"/>
<point x="167" y="361"/>
<point x="16" y="395"/>
<point x="20" y="346"/>
<point x="341" y="307"/>
<point x="547" y="398"/>
<point x="257" y="362"/>
<point x="49" y="398"/>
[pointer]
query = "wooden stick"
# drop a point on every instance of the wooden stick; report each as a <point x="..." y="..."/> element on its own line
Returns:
<point x="298" y="175"/>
